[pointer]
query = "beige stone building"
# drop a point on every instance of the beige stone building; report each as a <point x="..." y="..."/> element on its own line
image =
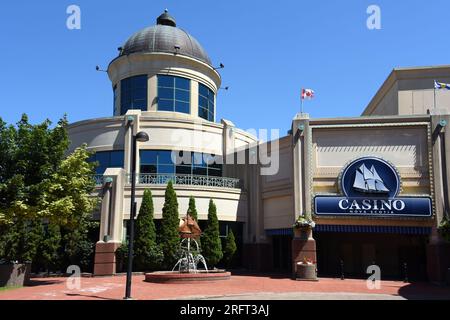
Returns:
<point x="165" y="85"/>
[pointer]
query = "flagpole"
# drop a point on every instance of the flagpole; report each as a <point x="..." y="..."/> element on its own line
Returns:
<point x="434" y="98"/>
<point x="301" y="104"/>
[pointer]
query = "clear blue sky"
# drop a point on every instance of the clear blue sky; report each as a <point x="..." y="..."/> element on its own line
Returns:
<point x="270" y="49"/>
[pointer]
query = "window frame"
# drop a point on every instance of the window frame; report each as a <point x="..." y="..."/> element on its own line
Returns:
<point x="176" y="104"/>
<point x="210" y="101"/>
<point x="128" y="89"/>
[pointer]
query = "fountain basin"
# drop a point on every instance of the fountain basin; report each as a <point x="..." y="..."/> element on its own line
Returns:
<point x="185" y="277"/>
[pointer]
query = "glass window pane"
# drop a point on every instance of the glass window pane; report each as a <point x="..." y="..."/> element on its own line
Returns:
<point x="182" y="95"/>
<point x="140" y="93"/>
<point x="100" y="170"/>
<point x="203" y="90"/>
<point x="199" y="171"/>
<point x="202" y="102"/>
<point x="182" y="83"/>
<point x="139" y="81"/>
<point x="165" y="105"/>
<point x="203" y="113"/>
<point x="103" y="158"/>
<point x="165" y="93"/>
<point x="148" y="169"/>
<point x="183" y="170"/>
<point x="165" y="81"/>
<point x="140" y="104"/>
<point x="165" y="157"/>
<point x="182" y="107"/>
<point x="149" y="156"/>
<point x="214" y="172"/>
<point x="116" y="159"/>
<point x="210" y="116"/>
<point x="133" y="93"/>
<point x="165" y="169"/>
<point x="197" y="159"/>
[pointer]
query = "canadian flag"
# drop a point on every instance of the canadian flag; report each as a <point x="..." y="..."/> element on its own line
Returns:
<point x="307" y="93"/>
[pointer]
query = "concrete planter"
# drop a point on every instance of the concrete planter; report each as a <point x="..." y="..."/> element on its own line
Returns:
<point x="306" y="272"/>
<point x="303" y="233"/>
<point x="14" y="274"/>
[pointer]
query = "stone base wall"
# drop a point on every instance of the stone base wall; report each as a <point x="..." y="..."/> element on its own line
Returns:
<point x="105" y="258"/>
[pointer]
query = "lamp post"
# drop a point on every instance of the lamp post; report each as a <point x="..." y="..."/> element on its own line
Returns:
<point x="141" y="137"/>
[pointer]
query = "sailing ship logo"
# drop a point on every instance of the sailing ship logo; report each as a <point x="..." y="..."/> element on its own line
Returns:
<point x="369" y="181"/>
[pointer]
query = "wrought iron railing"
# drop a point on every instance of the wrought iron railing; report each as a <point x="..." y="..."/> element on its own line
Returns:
<point x="179" y="179"/>
<point x="186" y="179"/>
<point x="98" y="179"/>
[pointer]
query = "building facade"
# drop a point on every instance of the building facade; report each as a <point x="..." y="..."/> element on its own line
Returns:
<point x="376" y="185"/>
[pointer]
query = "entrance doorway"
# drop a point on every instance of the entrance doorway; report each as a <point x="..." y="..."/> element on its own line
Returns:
<point x="281" y="253"/>
<point x="395" y="254"/>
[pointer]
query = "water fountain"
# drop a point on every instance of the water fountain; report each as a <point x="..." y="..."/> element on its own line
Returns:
<point x="186" y="268"/>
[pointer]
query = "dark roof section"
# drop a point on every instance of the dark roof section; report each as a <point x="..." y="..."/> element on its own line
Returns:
<point x="165" y="37"/>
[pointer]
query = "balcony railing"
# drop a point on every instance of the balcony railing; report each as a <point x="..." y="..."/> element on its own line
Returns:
<point x="98" y="179"/>
<point x="179" y="179"/>
<point x="186" y="179"/>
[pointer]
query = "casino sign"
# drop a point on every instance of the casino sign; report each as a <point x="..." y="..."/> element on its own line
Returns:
<point x="370" y="187"/>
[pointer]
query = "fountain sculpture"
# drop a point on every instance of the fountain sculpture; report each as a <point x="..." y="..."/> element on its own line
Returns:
<point x="186" y="269"/>
<point x="189" y="232"/>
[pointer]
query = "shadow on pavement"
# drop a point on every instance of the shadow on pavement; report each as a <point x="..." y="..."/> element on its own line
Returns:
<point x="424" y="291"/>
<point x="88" y="296"/>
<point x="40" y="282"/>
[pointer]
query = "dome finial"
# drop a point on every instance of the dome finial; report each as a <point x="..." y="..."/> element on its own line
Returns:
<point x="166" y="19"/>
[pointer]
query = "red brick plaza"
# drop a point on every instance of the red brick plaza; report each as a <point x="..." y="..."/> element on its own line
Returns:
<point x="112" y="288"/>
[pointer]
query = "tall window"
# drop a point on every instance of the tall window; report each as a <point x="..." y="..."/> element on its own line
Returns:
<point x="107" y="159"/>
<point x="174" y="94"/>
<point x="160" y="162"/>
<point x="114" y="99"/>
<point x="133" y="93"/>
<point x="205" y="102"/>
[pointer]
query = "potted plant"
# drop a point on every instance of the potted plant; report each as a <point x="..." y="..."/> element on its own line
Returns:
<point x="444" y="229"/>
<point x="303" y="228"/>
<point x="17" y="247"/>
<point x="306" y="269"/>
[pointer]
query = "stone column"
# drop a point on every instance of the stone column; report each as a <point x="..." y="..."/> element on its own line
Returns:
<point x="302" y="247"/>
<point x="438" y="250"/>
<point x="111" y="222"/>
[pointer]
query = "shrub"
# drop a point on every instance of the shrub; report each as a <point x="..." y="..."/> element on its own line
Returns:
<point x="211" y="244"/>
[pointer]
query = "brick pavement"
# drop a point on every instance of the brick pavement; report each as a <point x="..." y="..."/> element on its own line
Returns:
<point x="111" y="288"/>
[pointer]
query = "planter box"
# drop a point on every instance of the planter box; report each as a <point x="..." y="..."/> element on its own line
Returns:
<point x="306" y="272"/>
<point x="16" y="274"/>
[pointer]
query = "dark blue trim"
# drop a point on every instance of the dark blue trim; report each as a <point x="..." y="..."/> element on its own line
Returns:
<point x="357" y="229"/>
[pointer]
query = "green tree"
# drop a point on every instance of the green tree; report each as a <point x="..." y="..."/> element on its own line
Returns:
<point x="148" y="255"/>
<point x="38" y="181"/>
<point x="211" y="244"/>
<point x="20" y="241"/>
<point x="192" y="210"/>
<point x="48" y="252"/>
<point x="170" y="223"/>
<point x="31" y="154"/>
<point x="230" y="249"/>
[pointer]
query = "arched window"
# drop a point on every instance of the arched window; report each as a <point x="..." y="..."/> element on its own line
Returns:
<point x="133" y="94"/>
<point x="174" y="94"/>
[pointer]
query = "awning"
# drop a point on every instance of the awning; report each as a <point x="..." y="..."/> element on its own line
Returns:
<point x="356" y="229"/>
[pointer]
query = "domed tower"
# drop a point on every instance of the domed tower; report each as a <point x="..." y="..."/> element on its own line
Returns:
<point x="164" y="69"/>
<point x="164" y="85"/>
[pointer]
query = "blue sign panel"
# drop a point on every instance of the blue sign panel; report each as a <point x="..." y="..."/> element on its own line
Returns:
<point x="370" y="187"/>
<point x="402" y="206"/>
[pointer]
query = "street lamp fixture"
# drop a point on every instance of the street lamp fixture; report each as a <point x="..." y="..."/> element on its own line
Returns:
<point x="139" y="137"/>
